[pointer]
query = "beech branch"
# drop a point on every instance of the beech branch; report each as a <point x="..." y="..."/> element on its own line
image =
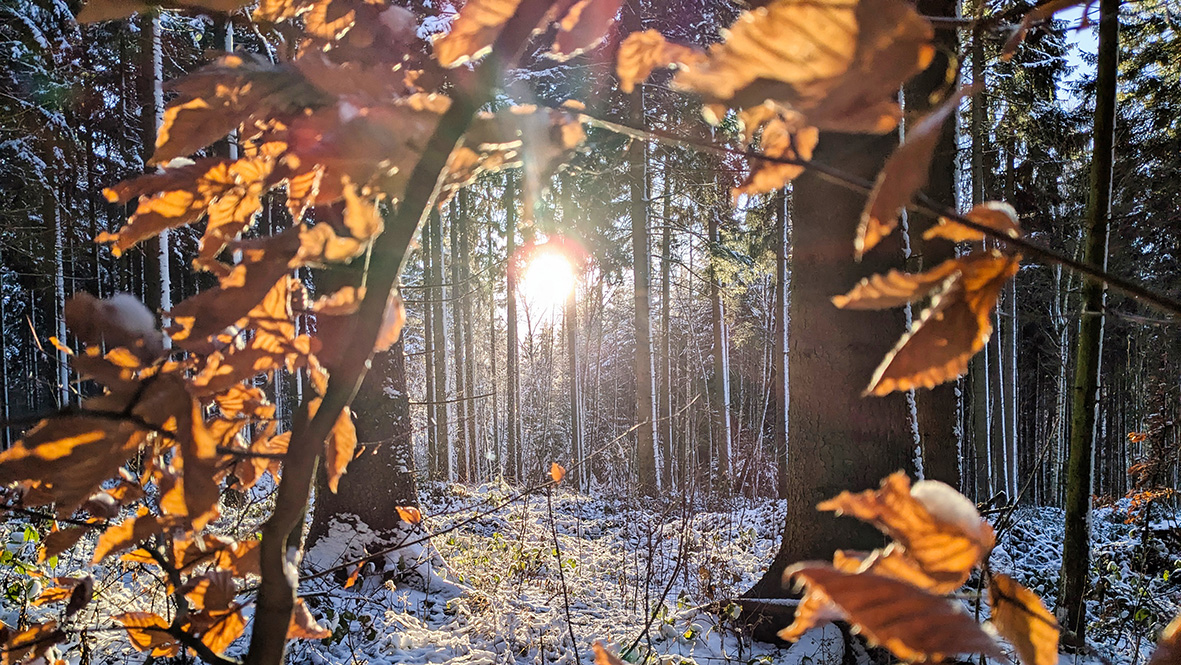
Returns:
<point x="282" y="534"/>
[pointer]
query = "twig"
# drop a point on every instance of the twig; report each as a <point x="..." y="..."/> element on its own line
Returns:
<point x="549" y="501"/>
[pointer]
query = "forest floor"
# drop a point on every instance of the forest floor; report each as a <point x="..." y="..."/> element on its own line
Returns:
<point x="502" y="597"/>
<point x="619" y="558"/>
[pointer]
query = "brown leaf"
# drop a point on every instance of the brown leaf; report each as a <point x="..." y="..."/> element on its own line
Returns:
<point x="557" y="472"/>
<point x="108" y="10"/>
<point x="603" y="656"/>
<point x="31" y="643"/>
<point x="119" y="321"/>
<point x="225" y="628"/>
<point x="70" y="456"/>
<point x="584" y="26"/>
<point x="409" y="514"/>
<point x="895" y="288"/>
<point x="223" y="95"/>
<point x="916" y="626"/>
<point x="937" y="527"/>
<point x="1168" y="649"/>
<point x="815" y="608"/>
<point x="80" y="596"/>
<point x="303" y="625"/>
<point x="240" y="558"/>
<point x="473" y="31"/>
<point x="212" y="592"/>
<point x="213" y="310"/>
<point x="340" y="446"/>
<point x="904" y="174"/>
<point x="642" y="52"/>
<point x="954" y="328"/>
<point x="785" y="136"/>
<point x="59" y="541"/>
<point x="391" y="323"/>
<point x="993" y="214"/>
<point x="148" y="632"/>
<point x="839" y="63"/>
<point x="126" y="534"/>
<point x="1021" y="618"/>
<point x="346" y="300"/>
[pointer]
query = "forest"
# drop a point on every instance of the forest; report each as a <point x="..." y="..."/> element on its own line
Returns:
<point x="818" y="332"/>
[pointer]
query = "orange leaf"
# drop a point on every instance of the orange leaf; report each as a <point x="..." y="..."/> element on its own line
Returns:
<point x="937" y="527"/>
<point x="585" y="25"/>
<point x="31" y="643"/>
<point x="954" y="328"/>
<point x="557" y="472"/>
<point x="226" y="627"/>
<point x="604" y="657"/>
<point x="1021" y="618"/>
<point x="815" y="608"/>
<point x="642" y="52"/>
<point x="211" y="592"/>
<point x="409" y="514"/>
<point x="784" y="135"/>
<point x="473" y="31"/>
<point x="126" y="534"/>
<point x="340" y="446"/>
<point x="839" y="63"/>
<point x="894" y="289"/>
<point x="391" y="323"/>
<point x="61" y="540"/>
<point x="993" y="214"/>
<point x="303" y="625"/>
<point x="119" y="321"/>
<point x="148" y="632"/>
<point x="354" y="575"/>
<point x="904" y="174"/>
<point x="1168" y="650"/>
<point x="915" y="625"/>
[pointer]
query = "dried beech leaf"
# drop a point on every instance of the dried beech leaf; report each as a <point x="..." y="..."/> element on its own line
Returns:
<point x="785" y="135"/>
<point x="915" y="625"/>
<point x="340" y="446"/>
<point x="955" y="327"/>
<point x="557" y="472"/>
<point x="904" y="174"/>
<point x="225" y="628"/>
<point x="409" y="514"/>
<point x="346" y="300"/>
<point x="212" y="592"/>
<point x="59" y="541"/>
<point x="148" y="632"/>
<point x="1168" y="649"/>
<point x="895" y="288"/>
<point x="584" y="26"/>
<point x="119" y="321"/>
<point x="937" y="527"/>
<point x="840" y="63"/>
<point x="391" y="323"/>
<point x="1020" y="617"/>
<point x="70" y="456"/>
<point x="815" y="608"/>
<point x="109" y="10"/>
<point x="603" y="656"/>
<point x="473" y="31"/>
<point x="126" y="534"/>
<point x="303" y="625"/>
<point x="993" y="214"/>
<point x="31" y="643"/>
<point x="642" y="52"/>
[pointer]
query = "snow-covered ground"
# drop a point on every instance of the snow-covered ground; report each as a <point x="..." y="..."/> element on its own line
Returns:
<point x="499" y="591"/>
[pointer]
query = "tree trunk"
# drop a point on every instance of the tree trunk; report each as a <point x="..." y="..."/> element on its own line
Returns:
<point x="458" y="357"/>
<point x="649" y="481"/>
<point x="158" y="290"/>
<point x="513" y="398"/>
<point x="779" y="445"/>
<point x="838" y="440"/>
<point x="576" y="451"/>
<point x="938" y="409"/>
<point x="428" y="356"/>
<point x="1076" y="549"/>
<point x="438" y="318"/>
<point x="720" y="473"/>
<point x="665" y="389"/>
<point x="978" y="365"/>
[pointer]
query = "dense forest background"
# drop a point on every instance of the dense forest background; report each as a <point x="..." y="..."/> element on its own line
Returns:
<point x="653" y="356"/>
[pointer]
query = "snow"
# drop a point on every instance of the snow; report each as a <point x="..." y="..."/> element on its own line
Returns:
<point x="488" y="588"/>
<point x="949" y="506"/>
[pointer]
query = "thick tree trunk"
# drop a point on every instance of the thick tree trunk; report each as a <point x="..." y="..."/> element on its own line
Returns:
<point x="978" y="366"/>
<point x="428" y="356"/>
<point x="664" y="361"/>
<point x="576" y="422"/>
<point x="838" y="439"/>
<point x="458" y="355"/>
<point x="646" y="463"/>
<point x="1076" y="550"/>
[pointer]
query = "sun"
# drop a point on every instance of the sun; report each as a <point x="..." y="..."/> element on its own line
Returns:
<point x="549" y="280"/>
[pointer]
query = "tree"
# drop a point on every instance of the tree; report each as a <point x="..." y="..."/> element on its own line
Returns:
<point x="646" y="463"/>
<point x="779" y="442"/>
<point x="1085" y="392"/>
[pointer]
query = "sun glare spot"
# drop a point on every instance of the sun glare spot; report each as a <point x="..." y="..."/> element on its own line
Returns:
<point x="549" y="279"/>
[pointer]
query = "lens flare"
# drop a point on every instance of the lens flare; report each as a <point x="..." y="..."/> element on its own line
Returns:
<point x="549" y="279"/>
